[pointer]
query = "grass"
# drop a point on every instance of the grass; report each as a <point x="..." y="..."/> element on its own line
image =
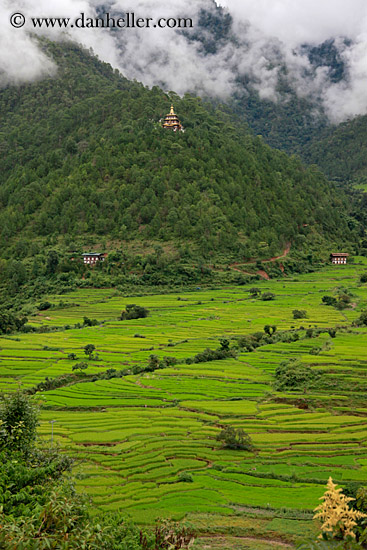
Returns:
<point x="133" y="436"/>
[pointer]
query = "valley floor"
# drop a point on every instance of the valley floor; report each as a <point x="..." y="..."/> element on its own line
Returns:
<point x="146" y="443"/>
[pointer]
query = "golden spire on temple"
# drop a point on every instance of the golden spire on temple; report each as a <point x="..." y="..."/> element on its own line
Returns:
<point x="172" y="121"/>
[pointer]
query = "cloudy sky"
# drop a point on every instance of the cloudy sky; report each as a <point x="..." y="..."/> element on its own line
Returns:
<point x="265" y="31"/>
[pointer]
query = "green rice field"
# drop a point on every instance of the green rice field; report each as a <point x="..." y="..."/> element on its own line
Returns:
<point x="133" y="437"/>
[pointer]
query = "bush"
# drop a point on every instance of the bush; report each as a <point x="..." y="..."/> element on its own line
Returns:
<point x="299" y="314"/>
<point x="255" y="291"/>
<point x="134" y="311"/>
<point x="80" y="366"/>
<point x="211" y="355"/>
<point x="90" y="322"/>
<point x="270" y="329"/>
<point x="185" y="477"/>
<point x="362" y="319"/>
<point x="294" y="375"/>
<point x="18" y="423"/>
<point x="268" y="296"/>
<point x="235" y="439"/>
<point x="329" y="301"/>
<point x="44" y="305"/>
<point x="363" y="278"/>
<point x="9" y="323"/>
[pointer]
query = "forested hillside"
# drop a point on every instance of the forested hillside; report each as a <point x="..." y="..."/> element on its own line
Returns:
<point x="84" y="153"/>
<point x="341" y="151"/>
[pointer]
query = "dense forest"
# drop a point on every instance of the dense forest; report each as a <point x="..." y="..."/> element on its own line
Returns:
<point x="84" y="153"/>
<point x="340" y="151"/>
<point x="85" y="162"/>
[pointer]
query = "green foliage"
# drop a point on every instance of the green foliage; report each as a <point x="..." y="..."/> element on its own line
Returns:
<point x="185" y="477"/>
<point x="44" y="305"/>
<point x="60" y="523"/>
<point x="299" y="314"/>
<point x="134" y="311"/>
<point x="80" y="366"/>
<point x="362" y="319"/>
<point x="342" y="301"/>
<point x="90" y="322"/>
<point x="10" y="323"/>
<point x="326" y="150"/>
<point x="40" y="509"/>
<point x="167" y="535"/>
<point x="270" y="329"/>
<point x="89" y="349"/>
<point x="235" y="439"/>
<point x="91" y="159"/>
<point x="293" y="375"/>
<point x="267" y="296"/>
<point x="254" y="291"/>
<point x="224" y="344"/>
<point x="211" y="355"/>
<point x="18" y="423"/>
<point x="363" y="278"/>
<point x="329" y="301"/>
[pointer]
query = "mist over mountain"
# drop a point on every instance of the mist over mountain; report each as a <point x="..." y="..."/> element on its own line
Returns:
<point x="317" y="50"/>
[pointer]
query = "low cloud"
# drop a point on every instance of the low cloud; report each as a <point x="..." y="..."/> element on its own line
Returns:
<point x="264" y="37"/>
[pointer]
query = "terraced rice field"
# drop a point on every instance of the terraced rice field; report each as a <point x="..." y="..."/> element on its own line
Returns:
<point x="132" y="437"/>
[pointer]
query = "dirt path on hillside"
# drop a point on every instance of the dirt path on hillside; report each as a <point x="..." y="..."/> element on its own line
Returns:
<point x="261" y="272"/>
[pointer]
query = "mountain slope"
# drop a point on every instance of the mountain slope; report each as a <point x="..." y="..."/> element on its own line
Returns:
<point x="341" y="151"/>
<point x="84" y="154"/>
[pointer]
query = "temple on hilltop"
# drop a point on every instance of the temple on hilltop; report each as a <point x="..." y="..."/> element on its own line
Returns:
<point x="172" y="121"/>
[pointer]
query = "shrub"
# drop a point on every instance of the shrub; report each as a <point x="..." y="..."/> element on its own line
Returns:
<point x="224" y="344"/>
<point x="80" y="366"/>
<point x="211" y="355"/>
<point x="268" y="296"/>
<point x="72" y="356"/>
<point x="329" y="301"/>
<point x="293" y="375"/>
<point x="44" y="305"/>
<point x="18" y="423"/>
<point x="134" y="311"/>
<point x="9" y="323"/>
<point x="90" y="322"/>
<point x="299" y="314"/>
<point x="343" y="301"/>
<point x="363" y="278"/>
<point x="362" y="319"/>
<point x="255" y="291"/>
<point x="270" y="329"/>
<point x="235" y="439"/>
<point x="185" y="477"/>
<point x="338" y="520"/>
